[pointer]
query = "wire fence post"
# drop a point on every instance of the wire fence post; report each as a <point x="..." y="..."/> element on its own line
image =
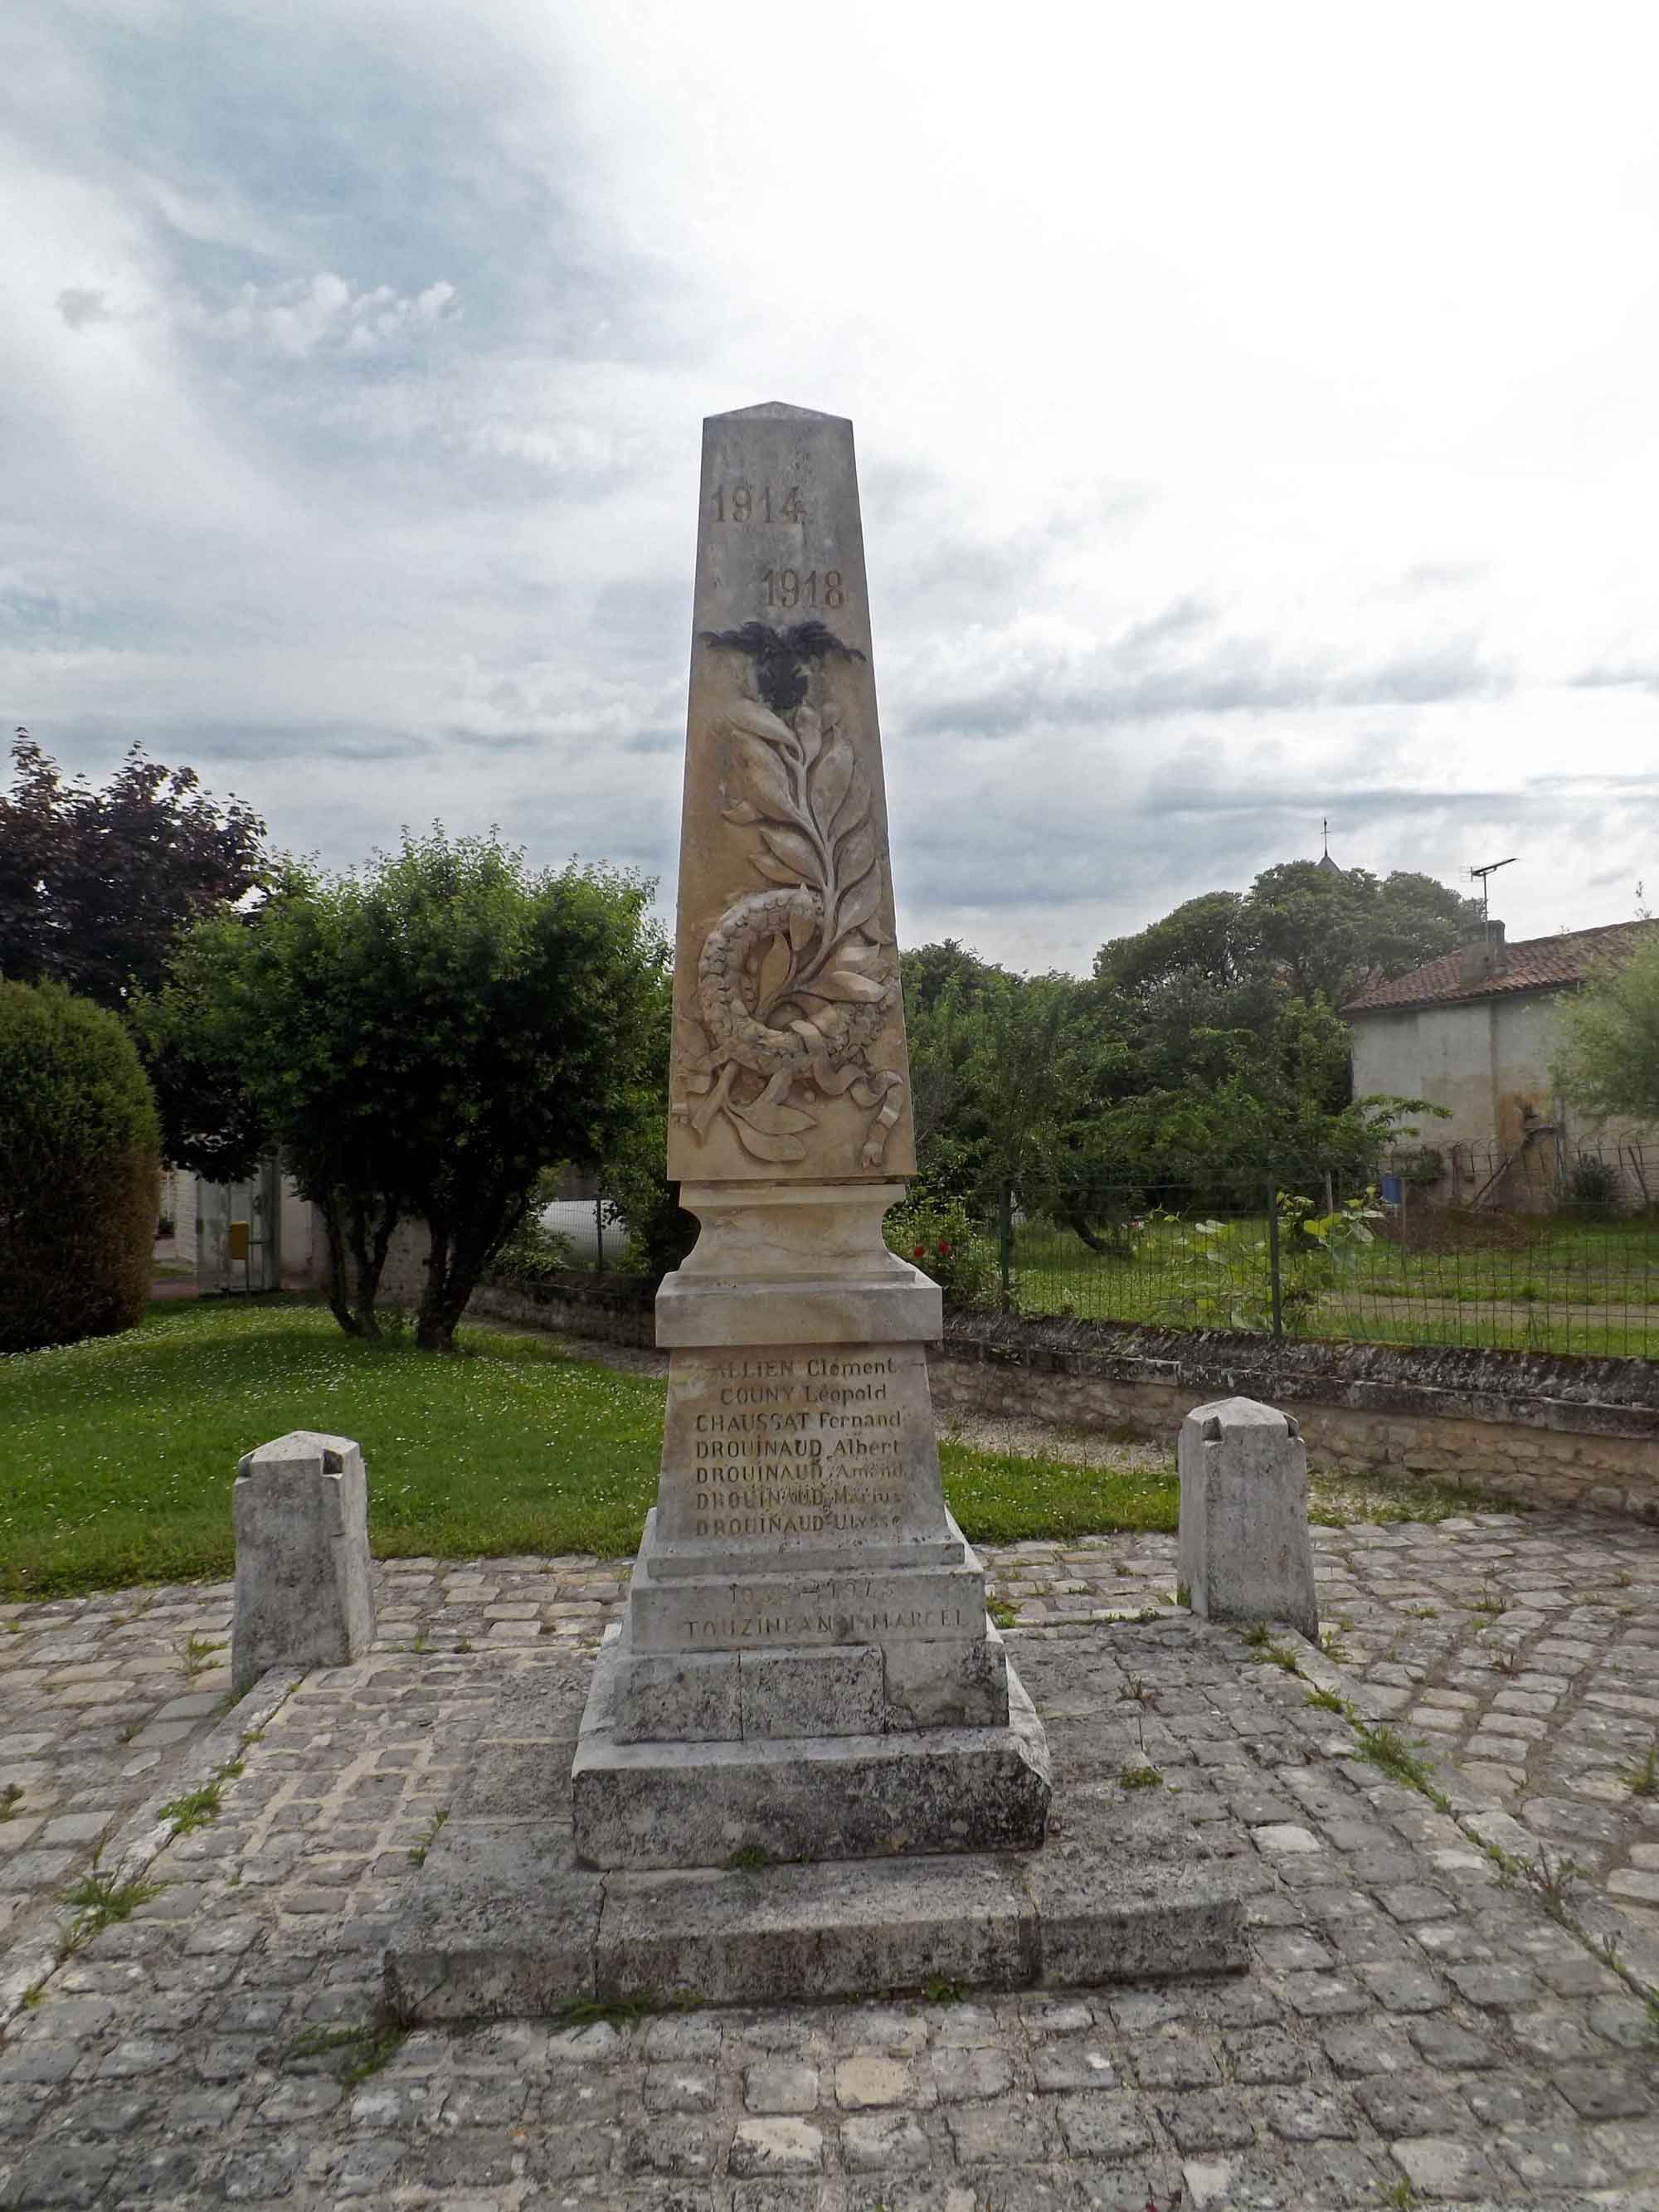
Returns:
<point x="1005" y="1242"/>
<point x="599" y="1236"/>
<point x="1272" y="1257"/>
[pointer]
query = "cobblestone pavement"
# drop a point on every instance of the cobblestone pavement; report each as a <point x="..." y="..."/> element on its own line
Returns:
<point x="1413" y="2022"/>
<point x="97" y="1697"/>
<point x="1411" y="2029"/>
<point x="101" y="1699"/>
<point x="1522" y="1647"/>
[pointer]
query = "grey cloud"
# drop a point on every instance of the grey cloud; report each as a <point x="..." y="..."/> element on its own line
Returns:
<point x="1455" y="670"/>
<point x="645" y="622"/>
<point x="1199" y="824"/>
<point x="1179" y="619"/>
<point x="496" y="741"/>
<point x="930" y="567"/>
<point x="199" y="742"/>
<point x="78" y="307"/>
<point x="1425" y="578"/>
<point x="1628" y="675"/>
<point x="1130" y="681"/>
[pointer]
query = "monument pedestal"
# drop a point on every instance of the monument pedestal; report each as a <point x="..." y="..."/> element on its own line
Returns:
<point x="771" y="1797"/>
<point x="502" y="1921"/>
<point x="805" y="1670"/>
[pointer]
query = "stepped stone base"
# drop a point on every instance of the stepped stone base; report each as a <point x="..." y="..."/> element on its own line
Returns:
<point x="662" y="1804"/>
<point x="504" y="1921"/>
<point x="506" y="1925"/>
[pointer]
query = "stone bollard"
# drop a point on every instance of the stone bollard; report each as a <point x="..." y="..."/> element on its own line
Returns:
<point x="1245" y="1551"/>
<point x="303" y="1595"/>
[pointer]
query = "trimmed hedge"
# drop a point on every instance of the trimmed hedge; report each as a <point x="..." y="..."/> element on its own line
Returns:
<point x="80" y="1170"/>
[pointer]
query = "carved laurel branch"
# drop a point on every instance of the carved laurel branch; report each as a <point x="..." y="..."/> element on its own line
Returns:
<point x="809" y="799"/>
<point x="801" y="789"/>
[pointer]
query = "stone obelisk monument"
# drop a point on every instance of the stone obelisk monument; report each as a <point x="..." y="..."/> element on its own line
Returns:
<point x="805" y="1670"/>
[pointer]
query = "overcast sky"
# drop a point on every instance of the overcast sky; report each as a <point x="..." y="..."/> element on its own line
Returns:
<point x="1257" y="410"/>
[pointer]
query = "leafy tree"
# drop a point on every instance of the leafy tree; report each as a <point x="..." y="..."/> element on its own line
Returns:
<point x="1201" y="1057"/>
<point x="660" y="1233"/>
<point x="929" y="970"/>
<point x="1183" y="987"/>
<point x="1231" y="960"/>
<point x="1607" y="1058"/>
<point x="80" y="1170"/>
<point x="97" y="886"/>
<point x="424" y="1037"/>
<point x="1280" y="1111"/>
<point x="1011" y="1075"/>
<point x="1322" y="932"/>
<point x="1207" y="939"/>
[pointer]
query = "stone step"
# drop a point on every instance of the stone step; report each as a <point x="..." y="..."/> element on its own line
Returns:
<point x="504" y="1924"/>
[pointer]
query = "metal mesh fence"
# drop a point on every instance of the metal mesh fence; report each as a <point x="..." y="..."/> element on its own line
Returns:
<point x="1528" y="1250"/>
<point x="590" y="1229"/>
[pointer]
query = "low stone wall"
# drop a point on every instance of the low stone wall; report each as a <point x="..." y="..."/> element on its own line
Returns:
<point x="616" y="1308"/>
<point x="1539" y="1428"/>
<point x="1542" y="1430"/>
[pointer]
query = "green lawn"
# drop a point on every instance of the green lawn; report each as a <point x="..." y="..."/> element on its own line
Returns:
<point x="1555" y="1283"/>
<point x="118" y="1454"/>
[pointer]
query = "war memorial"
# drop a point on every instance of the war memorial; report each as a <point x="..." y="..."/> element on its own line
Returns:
<point x="806" y="1761"/>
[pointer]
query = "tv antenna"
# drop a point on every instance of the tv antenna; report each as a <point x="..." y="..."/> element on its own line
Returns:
<point x="1479" y="876"/>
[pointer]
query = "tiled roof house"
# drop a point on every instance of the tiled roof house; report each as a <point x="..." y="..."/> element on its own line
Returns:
<point x="1475" y="1031"/>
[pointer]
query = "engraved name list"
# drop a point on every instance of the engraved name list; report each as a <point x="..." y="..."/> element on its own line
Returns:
<point x="808" y="1445"/>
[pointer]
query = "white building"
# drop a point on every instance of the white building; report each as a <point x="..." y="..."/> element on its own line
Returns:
<point x="1475" y="1032"/>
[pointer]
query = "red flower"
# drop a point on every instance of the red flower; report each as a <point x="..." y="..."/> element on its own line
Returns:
<point x="944" y="1249"/>
<point x="920" y="1252"/>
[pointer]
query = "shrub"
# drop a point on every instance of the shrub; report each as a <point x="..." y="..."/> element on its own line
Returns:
<point x="1593" y="1186"/>
<point x="660" y="1233"/>
<point x="1422" y="1167"/>
<point x="80" y="1170"/>
<point x="942" y="1240"/>
<point x="532" y="1250"/>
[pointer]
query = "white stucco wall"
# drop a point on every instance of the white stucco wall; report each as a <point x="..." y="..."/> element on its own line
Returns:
<point x="1487" y="1061"/>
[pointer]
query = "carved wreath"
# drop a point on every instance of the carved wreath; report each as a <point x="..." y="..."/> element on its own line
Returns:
<point x="795" y="983"/>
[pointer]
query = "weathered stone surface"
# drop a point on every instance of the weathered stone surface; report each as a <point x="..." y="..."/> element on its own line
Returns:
<point x="503" y="1925"/>
<point x="799" y="1455"/>
<point x="800" y="1534"/>
<point x="303" y="1595"/>
<point x="692" y="1696"/>
<point x="1109" y="1915"/>
<point x="1245" y="1553"/>
<point x="768" y="1605"/>
<point x="502" y="1919"/>
<point x="314" y="1846"/>
<point x="944" y="1682"/>
<point x="700" y="1804"/>
<point x="834" y="1691"/>
<point x="836" y="1929"/>
<point x="786" y="908"/>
